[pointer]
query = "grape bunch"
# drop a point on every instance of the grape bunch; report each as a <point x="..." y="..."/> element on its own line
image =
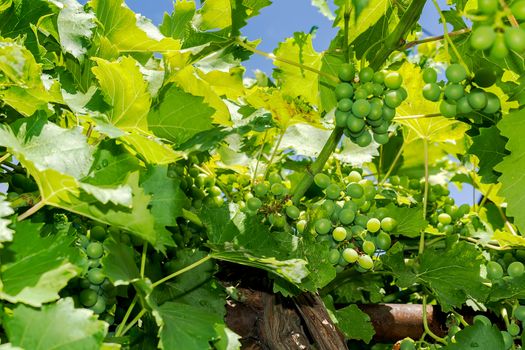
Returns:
<point x="492" y="33"/>
<point x="512" y="328"/>
<point x="367" y="106"/>
<point x="459" y="96"/>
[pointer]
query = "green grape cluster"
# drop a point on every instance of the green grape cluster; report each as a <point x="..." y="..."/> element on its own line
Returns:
<point x="95" y="291"/>
<point x="496" y="268"/>
<point x="458" y="96"/>
<point x="350" y="221"/>
<point x="492" y="33"/>
<point x="512" y="331"/>
<point x="367" y="106"/>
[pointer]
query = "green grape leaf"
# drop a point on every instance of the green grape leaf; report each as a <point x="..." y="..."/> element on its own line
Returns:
<point x="368" y="16"/>
<point x="124" y="89"/>
<point x="128" y="32"/>
<point x="295" y="81"/>
<point x="56" y="326"/>
<point x="330" y="63"/>
<point x="214" y="14"/>
<point x="167" y="198"/>
<point x="375" y="34"/>
<point x="512" y="126"/>
<point x="35" y="269"/>
<point x="243" y="239"/>
<point x="228" y="339"/>
<point x="354" y="323"/>
<point x="489" y="147"/>
<point x="119" y="263"/>
<point x="453" y="274"/>
<point x="75" y="27"/>
<point x="410" y="221"/>
<point x="178" y="24"/>
<point x="508" y="288"/>
<point x="478" y="336"/>
<point x="153" y="150"/>
<point x="321" y="270"/>
<point x="6" y="234"/>
<point x="394" y="260"/>
<point x="304" y="139"/>
<point x="324" y="9"/>
<point x="180" y="116"/>
<point x="507" y="239"/>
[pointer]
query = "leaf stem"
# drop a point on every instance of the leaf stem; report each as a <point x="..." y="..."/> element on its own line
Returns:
<point x="485" y="198"/>
<point x="509" y="14"/>
<point x="122" y="324"/>
<point x="418" y="116"/>
<point x="261" y="151"/>
<point x="507" y="222"/>
<point x="181" y="271"/>
<point x="391" y="168"/>
<point x="274" y="153"/>
<point x="317" y="165"/>
<point x="143" y="260"/>
<point x="32" y="210"/>
<point x="132" y="323"/>
<point x="346" y="30"/>
<point x="449" y="41"/>
<point x="425" y="324"/>
<point x="486" y="245"/>
<point x="287" y="61"/>
<point x="425" y="196"/>
<point x="434" y="38"/>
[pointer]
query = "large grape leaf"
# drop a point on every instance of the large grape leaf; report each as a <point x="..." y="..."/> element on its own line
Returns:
<point x="35" y="269"/>
<point x="369" y="16"/>
<point x="243" y="239"/>
<point x="512" y="167"/>
<point x="478" y="336"/>
<point x="56" y="326"/>
<point x="214" y="14"/>
<point x="128" y="32"/>
<point x="179" y="116"/>
<point x="6" y="234"/>
<point x="508" y="288"/>
<point x="410" y="221"/>
<point x="178" y="24"/>
<point x="75" y="26"/>
<point x="489" y="147"/>
<point x="295" y="81"/>
<point x="354" y="323"/>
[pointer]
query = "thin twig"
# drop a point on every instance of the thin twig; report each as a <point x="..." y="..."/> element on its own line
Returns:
<point x="509" y="14"/>
<point x="391" y="168"/>
<point x="181" y="271"/>
<point x="425" y="196"/>
<point x="4" y="157"/>
<point x="135" y="320"/>
<point x="425" y="324"/>
<point x="122" y="324"/>
<point x="274" y="153"/>
<point x="507" y="222"/>
<point x="434" y="38"/>
<point x="418" y="116"/>
<point x="32" y="210"/>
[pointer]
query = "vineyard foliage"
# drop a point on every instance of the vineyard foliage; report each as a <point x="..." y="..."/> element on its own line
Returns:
<point x="141" y="162"/>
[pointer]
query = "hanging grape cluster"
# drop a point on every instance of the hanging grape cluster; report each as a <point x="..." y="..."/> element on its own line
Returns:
<point x="458" y="95"/>
<point x="491" y="31"/>
<point x="367" y="106"/>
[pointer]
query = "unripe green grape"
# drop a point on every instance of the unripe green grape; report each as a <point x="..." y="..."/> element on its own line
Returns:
<point x="346" y="216"/>
<point x="260" y="189"/>
<point x="482" y="319"/>
<point x="454" y="91"/>
<point x="519" y="313"/>
<point x="373" y="225"/>
<point x="377" y="90"/>
<point x="361" y="220"/>
<point x="383" y="240"/>
<point x="518" y="9"/>
<point x="388" y="224"/>
<point x="382" y="129"/>
<point x="381" y="213"/>
<point x="88" y="297"/>
<point x="354" y="176"/>
<point x="333" y="191"/>
<point x="329" y="206"/>
<point x="98" y="233"/>
<point x="96" y="276"/>
<point x="499" y="49"/>
<point x="323" y="226"/>
<point x="381" y="139"/>
<point x="508" y="341"/>
<point x="447" y="109"/>
<point x="365" y="207"/>
<point x="347" y="72"/>
<point x="277" y="220"/>
<point x="360" y="94"/>
<point x="341" y="118"/>
<point x="278" y="189"/>
<point x="357" y="230"/>
<point x="477" y="99"/>
<point x="393" y="98"/>
<point x="345" y="105"/>
<point x="361" y="108"/>
<point x="339" y="234"/>
<point x="488" y="7"/>
<point x="431" y="91"/>
<point x="493" y="104"/>
<point x="444" y="218"/>
<point x="388" y="113"/>
<point x="355" y="124"/>
<point x="379" y="77"/>
<point x="355" y="190"/>
<point x="462" y="106"/>
<point x="407" y="344"/>
<point x="515" y="39"/>
<point x="513" y="329"/>
<point x="99" y="307"/>
<point x="486" y="76"/>
<point x="456" y="73"/>
<point x="375" y="123"/>
<point x="369" y="87"/>
<point x="350" y="255"/>
<point x="94" y="250"/>
<point x="293" y="212"/>
<point x="334" y="256"/>
<point x="215" y="191"/>
<point x="515" y="269"/>
<point x="300" y="226"/>
<point x="429" y="75"/>
<point x="365" y="262"/>
<point x="254" y="203"/>
<point x="322" y="180"/>
<point x="274" y="178"/>
<point x="376" y="111"/>
<point x="366" y="74"/>
<point x="364" y="139"/>
<point x="393" y="80"/>
<point x="344" y="90"/>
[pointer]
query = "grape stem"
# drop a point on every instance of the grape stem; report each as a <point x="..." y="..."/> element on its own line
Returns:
<point x="486" y="245"/>
<point x="4" y="157"/>
<point x="434" y="38"/>
<point x="132" y="323"/>
<point x="181" y="271"/>
<point x="143" y="260"/>
<point x="425" y="324"/>
<point x="425" y="196"/>
<point x="507" y="222"/>
<point x="32" y="210"/>
<point x="274" y="153"/>
<point x="418" y="116"/>
<point x="261" y="151"/>
<point x="346" y="29"/>
<point x="122" y="324"/>
<point x="485" y="198"/>
<point x="391" y="168"/>
<point x="287" y="61"/>
<point x="509" y="14"/>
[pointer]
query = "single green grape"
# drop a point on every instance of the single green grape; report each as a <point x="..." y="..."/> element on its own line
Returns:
<point x="462" y="106"/>
<point x="477" y="99"/>
<point x="373" y="225"/>
<point x="323" y="226"/>
<point x="447" y="109"/>
<point x="355" y="190"/>
<point x="98" y="233"/>
<point x="499" y="49"/>
<point x="341" y="118"/>
<point x="369" y="247"/>
<point x="350" y="255"/>
<point x="407" y="344"/>
<point x="365" y="262"/>
<point x="431" y="91"/>
<point x="277" y="220"/>
<point x="347" y="72"/>
<point x="334" y="256"/>
<point x="364" y="139"/>
<point x="394" y="98"/>
<point x="361" y="108"/>
<point x="513" y="329"/>
<point x="96" y="276"/>
<point x="346" y="216"/>
<point x="516" y="269"/>
<point x="444" y="218"/>
<point x="493" y="104"/>
<point x="518" y="10"/>
<point x="388" y="113"/>
<point x="88" y="297"/>
<point x="381" y="139"/>
<point x="454" y="91"/>
<point x="515" y="39"/>
<point x="94" y="250"/>
<point x="486" y="76"/>
<point x="254" y="203"/>
<point x="519" y="313"/>
<point x="278" y="189"/>
<point x="366" y="74"/>
<point x="483" y="319"/>
<point x="293" y="212"/>
<point x="393" y="80"/>
<point x="429" y="75"/>
<point x="354" y="176"/>
<point x="344" y="90"/>
<point x="379" y="77"/>
<point x="322" y="180"/>
<point x="333" y="191"/>
<point x="339" y="234"/>
<point x="388" y="224"/>
<point x="260" y="189"/>
<point x="99" y="307"/>
<point x="456" y="73"/>
<point x="488" y="7"/>
<point x="345" y="105"/>
<point x="383" y="240"/>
